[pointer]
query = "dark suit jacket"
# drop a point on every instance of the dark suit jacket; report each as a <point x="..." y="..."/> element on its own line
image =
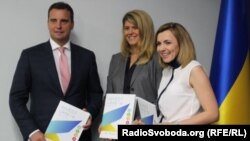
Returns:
<point x="144" y="82"/>
<point x="36" y="78"/>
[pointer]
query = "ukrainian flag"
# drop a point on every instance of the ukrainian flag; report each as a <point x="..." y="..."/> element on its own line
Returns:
<point x="230" y="70"/>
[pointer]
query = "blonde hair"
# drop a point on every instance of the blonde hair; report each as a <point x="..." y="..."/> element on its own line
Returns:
<point x="185" y="42"/>
<point x="146" y="30"/>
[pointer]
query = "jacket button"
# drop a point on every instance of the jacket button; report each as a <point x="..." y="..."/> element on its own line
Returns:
<point x="132" y="89"/>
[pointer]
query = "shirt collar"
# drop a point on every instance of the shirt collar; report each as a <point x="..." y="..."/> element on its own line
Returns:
<point x="54" y="45"/>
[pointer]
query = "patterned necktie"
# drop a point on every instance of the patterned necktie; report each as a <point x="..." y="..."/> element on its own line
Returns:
<point x="64" y="69"/>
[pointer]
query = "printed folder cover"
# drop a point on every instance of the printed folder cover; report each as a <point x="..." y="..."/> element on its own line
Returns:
<point x="118" y="110"/>
<point x="66" y="123"/>
<point x="147" y="111"/>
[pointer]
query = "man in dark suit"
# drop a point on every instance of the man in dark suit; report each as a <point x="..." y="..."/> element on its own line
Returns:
<point x="38" y="77"/>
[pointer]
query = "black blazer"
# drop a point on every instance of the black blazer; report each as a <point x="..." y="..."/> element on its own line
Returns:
<point x="36" y="78"/>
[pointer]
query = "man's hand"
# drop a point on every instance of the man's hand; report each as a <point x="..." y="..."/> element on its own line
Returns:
<point x="89" y="122"/>
<point x="38" y="136"/>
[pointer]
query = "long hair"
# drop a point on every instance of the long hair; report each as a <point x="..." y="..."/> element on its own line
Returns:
<point x="146" y="30"/>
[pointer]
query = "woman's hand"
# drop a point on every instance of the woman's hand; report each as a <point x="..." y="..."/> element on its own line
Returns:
<point x="138" y="122"/>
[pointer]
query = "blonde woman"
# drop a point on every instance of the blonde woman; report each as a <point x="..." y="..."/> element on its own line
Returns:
<point x="135" y="69"/>
<point x="185" y="95"/>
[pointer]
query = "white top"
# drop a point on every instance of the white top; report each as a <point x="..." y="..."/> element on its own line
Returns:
<point x="179" y="100"/>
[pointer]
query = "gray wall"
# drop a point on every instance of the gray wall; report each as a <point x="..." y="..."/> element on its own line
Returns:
<point x="98" y="28"/>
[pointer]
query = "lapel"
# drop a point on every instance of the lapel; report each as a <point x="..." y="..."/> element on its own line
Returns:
<point x="137" y="71"/>
<point x="50" y="62"/>
<point x="74" y="66"/>
<point x="122" y="65"/>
